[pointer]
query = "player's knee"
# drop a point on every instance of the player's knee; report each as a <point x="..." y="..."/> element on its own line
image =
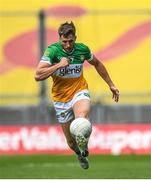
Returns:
<point x="83" y="114"/>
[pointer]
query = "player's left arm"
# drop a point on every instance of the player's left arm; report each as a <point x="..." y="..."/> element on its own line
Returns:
<point x="102" y="71"/>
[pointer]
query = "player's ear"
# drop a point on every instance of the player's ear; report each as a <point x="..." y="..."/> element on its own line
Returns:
<point x="75" y="38"/>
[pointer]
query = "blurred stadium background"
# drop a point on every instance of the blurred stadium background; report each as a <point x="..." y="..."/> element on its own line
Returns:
<point x="118" y="32"/>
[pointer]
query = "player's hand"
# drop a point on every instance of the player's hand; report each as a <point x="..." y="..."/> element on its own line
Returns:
<point x="115" y="93"/>
<point x="64" y="62"/>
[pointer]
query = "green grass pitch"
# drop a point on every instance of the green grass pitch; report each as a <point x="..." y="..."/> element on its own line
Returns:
<point x="67" y="167"/>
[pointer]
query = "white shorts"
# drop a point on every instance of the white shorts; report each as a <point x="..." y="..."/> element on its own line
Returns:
<point x="64" y="111"/>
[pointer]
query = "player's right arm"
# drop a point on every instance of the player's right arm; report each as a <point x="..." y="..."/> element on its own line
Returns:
<point x="45" y="70"/>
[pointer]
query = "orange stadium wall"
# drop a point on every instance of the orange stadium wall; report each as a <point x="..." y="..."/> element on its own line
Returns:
<point x="117" y="32"/>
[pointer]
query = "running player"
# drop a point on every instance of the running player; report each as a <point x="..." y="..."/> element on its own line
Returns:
<point x="63" y="61"/>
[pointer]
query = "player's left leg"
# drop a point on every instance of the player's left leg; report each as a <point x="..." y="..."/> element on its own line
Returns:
<point x="65" y="116"/>
<point x="70" y="140"/>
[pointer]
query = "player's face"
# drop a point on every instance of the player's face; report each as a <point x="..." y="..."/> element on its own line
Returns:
<point x="68" y="42"/>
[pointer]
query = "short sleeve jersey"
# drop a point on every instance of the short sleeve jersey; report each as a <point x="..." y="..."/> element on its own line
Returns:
<point x="67" y="80"/>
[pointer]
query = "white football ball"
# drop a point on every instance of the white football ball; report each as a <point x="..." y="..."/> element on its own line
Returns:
<point x="81" y="125"/>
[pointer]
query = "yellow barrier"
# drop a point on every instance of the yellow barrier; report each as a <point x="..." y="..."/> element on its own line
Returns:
<point x="117" y="32"/>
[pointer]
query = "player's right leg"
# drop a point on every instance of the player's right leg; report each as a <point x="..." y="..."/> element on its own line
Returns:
<point x="81" y="108"/>
<point x="82" y="144"/>
<point x="73" y="145"/>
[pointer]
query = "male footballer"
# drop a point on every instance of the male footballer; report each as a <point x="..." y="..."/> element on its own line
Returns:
<point x="63" y="61"/>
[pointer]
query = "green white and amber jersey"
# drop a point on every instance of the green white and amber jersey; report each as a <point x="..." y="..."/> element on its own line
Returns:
<point x="67" y="80"/>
